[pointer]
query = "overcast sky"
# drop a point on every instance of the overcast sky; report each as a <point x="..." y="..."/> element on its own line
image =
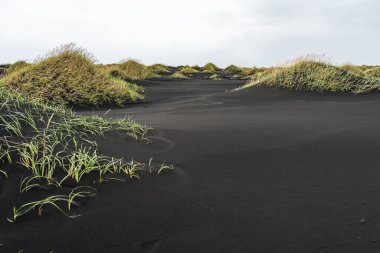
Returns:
<point x="242" y="32"/>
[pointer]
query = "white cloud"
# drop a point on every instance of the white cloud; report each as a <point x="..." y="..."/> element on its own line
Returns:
<point x="243" y="32"/>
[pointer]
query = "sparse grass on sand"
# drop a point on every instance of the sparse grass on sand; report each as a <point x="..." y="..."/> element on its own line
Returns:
<point x="68" y="75"/>
<point x="53" y="145"/>
<point x="307" y="73"/>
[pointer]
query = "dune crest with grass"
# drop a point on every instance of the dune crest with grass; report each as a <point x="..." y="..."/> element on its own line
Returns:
<point x="68" y="75"/>
<point x="307" y="73"/>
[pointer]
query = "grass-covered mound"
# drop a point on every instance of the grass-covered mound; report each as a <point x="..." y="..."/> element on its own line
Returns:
<point x="232" y="69"/>
<point x="186" y="70"/>
<point x="178" y="75"/>
<point x="132" y="70"/>
<point x="196" y="67"/>
<point x="68" y="75"/>
<point x="252" y="71"/>
<point x="316" y="76"/>
<point x="210" y="68"/>
<point x="159" y="69"/>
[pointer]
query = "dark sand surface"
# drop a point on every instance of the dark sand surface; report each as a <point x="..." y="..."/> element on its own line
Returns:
<point x="258" y="170"/>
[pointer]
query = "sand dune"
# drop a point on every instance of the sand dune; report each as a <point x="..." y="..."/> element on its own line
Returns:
<point x="257" y="170"/>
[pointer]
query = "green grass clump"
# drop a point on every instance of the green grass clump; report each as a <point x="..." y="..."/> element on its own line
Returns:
<point x="210" y="68"/>
<point x="178" y="75"/>
<point x="68" y="75"/>
<point x="313" y="75"/>
<point x="373" y="72"/>
<point x="186" y="70"/>
<point x="232" y="69"/>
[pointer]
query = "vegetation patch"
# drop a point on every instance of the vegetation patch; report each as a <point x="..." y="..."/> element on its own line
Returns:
<point x="54" y="148"/>
<point x="314" y="75"/>
<point x="215" y="77"/>
<point x="178" y="75"/>
<point x="197" y="67"/>
<point x="16" y="66"/>
<point x="232" y="69"/>
<point x="3" y="69"/>
<point x="353" y="69"/>
<point x="210" y="68"/>
<point x="159" y="69"/>
<point x="68" y="75"/>
<point x="373" y="72"/>
<point x="134" y="69"/>
<point x="251" y="72"/>
<point x="239" y="77"/>
<point x="186" y="70"/>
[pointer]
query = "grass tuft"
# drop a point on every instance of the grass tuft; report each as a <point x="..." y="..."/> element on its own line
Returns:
<point x="69" y="200"/>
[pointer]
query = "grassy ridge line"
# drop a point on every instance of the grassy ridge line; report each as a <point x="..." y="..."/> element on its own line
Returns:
<point x="311" y="75"/>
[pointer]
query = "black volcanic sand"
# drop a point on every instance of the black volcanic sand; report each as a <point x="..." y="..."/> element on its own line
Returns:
<point x="258" y="170"/>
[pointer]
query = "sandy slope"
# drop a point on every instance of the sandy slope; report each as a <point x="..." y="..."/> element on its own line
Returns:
<point x="258" y="170"/>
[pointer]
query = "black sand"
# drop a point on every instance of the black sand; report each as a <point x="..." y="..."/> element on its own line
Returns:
<point x="258" y="170"/>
